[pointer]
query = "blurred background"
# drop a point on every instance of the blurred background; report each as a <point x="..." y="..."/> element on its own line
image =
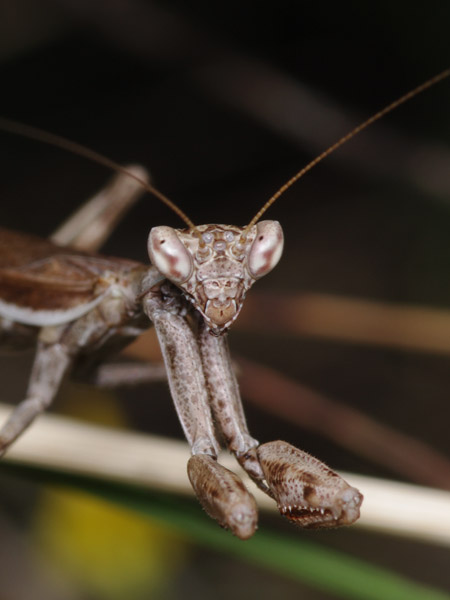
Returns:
<point x="223" y="103"/>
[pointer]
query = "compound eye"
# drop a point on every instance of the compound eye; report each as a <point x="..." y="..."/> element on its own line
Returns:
<point x="168" y="254"/>
<point x="267" y="248"/>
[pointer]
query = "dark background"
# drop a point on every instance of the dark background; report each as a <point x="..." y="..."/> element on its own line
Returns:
<point x="223" y="102"/>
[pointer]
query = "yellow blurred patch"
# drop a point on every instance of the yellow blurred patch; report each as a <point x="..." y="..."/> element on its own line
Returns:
<point x="102" y="548"/>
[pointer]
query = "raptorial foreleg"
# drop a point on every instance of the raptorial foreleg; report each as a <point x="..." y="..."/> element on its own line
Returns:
<point x="305" y="489"/>
<point x="221" y="493"/>
<point x="226" y="403"/>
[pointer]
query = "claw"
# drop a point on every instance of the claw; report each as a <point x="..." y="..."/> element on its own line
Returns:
<point x="223" y="495"/>
<point x="306" y="490"/>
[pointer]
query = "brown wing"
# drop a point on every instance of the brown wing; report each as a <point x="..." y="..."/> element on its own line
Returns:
<point x="39" y="275"/>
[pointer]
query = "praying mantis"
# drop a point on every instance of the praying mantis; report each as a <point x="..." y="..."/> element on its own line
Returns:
<point x="78" y="306"/>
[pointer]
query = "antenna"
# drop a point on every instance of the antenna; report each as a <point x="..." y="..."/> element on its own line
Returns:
<point x="387" y="109"/>
<point x="40" y="135"/>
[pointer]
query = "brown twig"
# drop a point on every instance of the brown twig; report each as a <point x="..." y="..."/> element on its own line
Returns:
<point x="352" y="320"/>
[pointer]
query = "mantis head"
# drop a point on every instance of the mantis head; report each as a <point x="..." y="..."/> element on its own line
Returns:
<point x="216" y="264"/>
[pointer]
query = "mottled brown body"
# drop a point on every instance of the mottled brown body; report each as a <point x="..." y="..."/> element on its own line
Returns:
<point x="81" y="306"/>
<point x="78" y="304"/>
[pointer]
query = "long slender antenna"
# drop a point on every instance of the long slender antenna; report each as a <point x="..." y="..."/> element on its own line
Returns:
<point x="40" y="135"/>
<point x="344" y="139"/>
